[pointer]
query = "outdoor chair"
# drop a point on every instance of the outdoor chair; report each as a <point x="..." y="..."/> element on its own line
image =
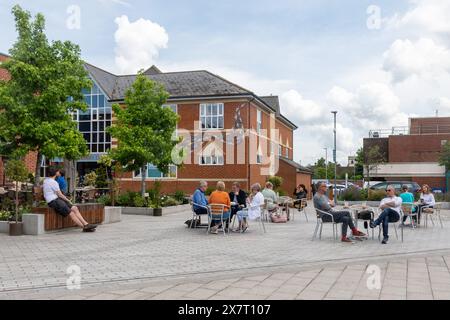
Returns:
<point x="259" y="219"/>
<point x="285" y="202"/>
<point x="390" y="223"/>
<point x="215" y="212"/>
<point x="195" y="216"/>
<point x="302" y="207"/>
<point x="320" y="223"/>
<point x="407" y="211"/>
<point x="434" y="212"/>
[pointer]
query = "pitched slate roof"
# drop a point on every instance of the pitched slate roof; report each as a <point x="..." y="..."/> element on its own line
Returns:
<point x="296" y="165"/>
<point x="181" y="85"/>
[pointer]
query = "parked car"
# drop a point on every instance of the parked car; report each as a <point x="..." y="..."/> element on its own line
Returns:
<point x="413" y="186"/>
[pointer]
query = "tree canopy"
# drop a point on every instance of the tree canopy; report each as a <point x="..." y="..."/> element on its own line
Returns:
<point x="46" y="82"/>
<point x="144" y="128"/>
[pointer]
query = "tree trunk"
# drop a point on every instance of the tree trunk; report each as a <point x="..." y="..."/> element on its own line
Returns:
<point x="143" y="175"/>
<point x="17" y="202"/>
<point x="37" y="173"/>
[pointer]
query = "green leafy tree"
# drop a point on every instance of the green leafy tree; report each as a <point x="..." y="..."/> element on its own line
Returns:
<point x="444" y="157"/>
<point x="45" y="87"/>
<point x="16" y="171"/>
<point x="359" y="163"/>
<point x="276" y="181"/>
<point x="373" y="157"/>
<point x="144" y="128"/>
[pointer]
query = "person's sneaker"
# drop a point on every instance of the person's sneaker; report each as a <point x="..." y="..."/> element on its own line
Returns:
<point x="346" y="240"/>
<point x="372" y="224"/>
<point x="88" y="230"/>
<point x="90" y="226"/>
<point x="385" y="241"/>
<point x="359" y="234"/>
<point x="214" y="230"/>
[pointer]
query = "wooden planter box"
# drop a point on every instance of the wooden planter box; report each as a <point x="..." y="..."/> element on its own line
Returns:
<point x="91" y="212"/>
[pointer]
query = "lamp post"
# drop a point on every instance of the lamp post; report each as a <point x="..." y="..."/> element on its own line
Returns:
<point x="326" y="164"/>
<point x="335" y="158"/>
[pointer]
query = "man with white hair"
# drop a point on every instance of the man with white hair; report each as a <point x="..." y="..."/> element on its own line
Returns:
<point x="391" y="206"/>
<point x="199" y="199"/>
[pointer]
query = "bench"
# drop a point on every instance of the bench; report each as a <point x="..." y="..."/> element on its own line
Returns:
<point x="91" y="212"/>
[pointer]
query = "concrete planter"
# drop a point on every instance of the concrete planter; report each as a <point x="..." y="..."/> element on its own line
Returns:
<point x="4" y="227"/>
<point x="175" y="209"/>
<point x="137" y="211"/>
<point x="112" y="215"/>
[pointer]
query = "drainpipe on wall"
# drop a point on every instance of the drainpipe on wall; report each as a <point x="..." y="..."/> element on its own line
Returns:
<point x="248" y="144"/>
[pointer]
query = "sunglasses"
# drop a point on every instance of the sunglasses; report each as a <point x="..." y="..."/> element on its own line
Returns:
<point x="387" y="190"/>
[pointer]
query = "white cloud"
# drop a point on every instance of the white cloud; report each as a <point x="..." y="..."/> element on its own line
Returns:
<point x="301" y="111"/>
<point x="138" y="43"/>
<point x="121" y="2"/>
<point x="423" y="58"/>
<point x="430" y="15"/>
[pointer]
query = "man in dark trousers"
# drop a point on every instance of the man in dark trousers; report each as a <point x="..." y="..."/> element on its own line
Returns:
<point x="58" y="201"/>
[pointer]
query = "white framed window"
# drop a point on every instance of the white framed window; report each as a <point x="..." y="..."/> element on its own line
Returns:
<point x="280" y="150"/>
<point x="287" y="153"/>
<point x="211" y="160"/>
<point x="211" y="116"/>
<point x="154" y="173"/>
<point x="258" y="121"/>
<point x="259" y="159"/>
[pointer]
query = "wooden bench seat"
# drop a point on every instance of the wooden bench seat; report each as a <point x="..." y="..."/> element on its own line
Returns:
<point x="91" y="212"/>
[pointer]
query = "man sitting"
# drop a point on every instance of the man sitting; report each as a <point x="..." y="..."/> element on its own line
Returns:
<point x="62" y="206"/>
<point x="391" y="206"/>
<point x="321" y="202"/>
<point x="199" y="200"/>
<point x="271" y="196"/>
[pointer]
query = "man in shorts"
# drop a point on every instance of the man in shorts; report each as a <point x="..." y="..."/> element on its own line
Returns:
<point x="58" y="201"/>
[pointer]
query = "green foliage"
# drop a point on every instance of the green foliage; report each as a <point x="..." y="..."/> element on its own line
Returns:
<point x="276" y="181"/>
<point x="442" y="197"/>
<point x="16" y="171"/>
<point x="139" y="201"/>
<point x="352" y="194"/>
<point x="156" y="200"/>
<point x="282" y="193"/>
<point x="209" y="190"/>
<point x="90" y="179"/>
<point x="5" y="215"/>
<point x="101" y="180"/>
<point x="144" y="128"/>
<point x="376" y="195"/>
<point x="179" y="196"/>
<point x="35" y="101"/>
<point x="104" y="200"/>
<point x="170" y="201"/>
<point x="444" y="157"/>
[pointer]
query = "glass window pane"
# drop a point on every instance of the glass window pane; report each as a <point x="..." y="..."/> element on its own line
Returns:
<point x="208" y="110"/>
<point x="108" y="124"/>
<point x="214" y="109"/>
<point x="101" y="147"/>
<point x="87" y="137"/>
<point x="102" y="126"/>
<point x="108" y="137"/>
<point x="108" y="114"/>
<point x="101" y="137"/>
<point x="101" y="115"/>
<point x="221" y="108"/>
<point x="101" y="101"/>
<point x="94" y="137"/>
<point x="85" y="126"/>
<point x="87" y="100"/>
<point x="94" y="126"/>
<point x="107" y="147"/>
<point x="86" y="91"/>
<point x="94" y="101"/>
<point x="94" y="147"/>
<point x="214" y="123"/>
<point x="221" y="122"/>
<point x="84" y="117"/>
<point x="203" y="122"/>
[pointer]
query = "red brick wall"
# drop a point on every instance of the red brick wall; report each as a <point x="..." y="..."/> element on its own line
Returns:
<point x="415" y="148"/>
<point x="306" y="179"/>
<point x="433" y="125"/>
<point x="433" y="182"/>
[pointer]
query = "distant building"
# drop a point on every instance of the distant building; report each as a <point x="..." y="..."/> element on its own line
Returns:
<point x="351" y="161"/>
<point x="411" y="153"/>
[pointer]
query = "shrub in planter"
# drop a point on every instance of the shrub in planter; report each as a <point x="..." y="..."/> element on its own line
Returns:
<point x="104" y="200"/>
<point x="351" y="194"/>
<point x="376" y="195"/>
<point x="209" y="190"/>
<point x="139" y="201"/>
<point x="179" y="196"/>
<point x="170" y="202"/>
<point x="5" y="215"/>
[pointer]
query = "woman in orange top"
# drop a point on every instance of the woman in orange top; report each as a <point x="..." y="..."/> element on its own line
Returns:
<point x="220" y="197"/>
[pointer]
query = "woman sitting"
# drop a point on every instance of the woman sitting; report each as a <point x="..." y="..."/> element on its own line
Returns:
<point x="300" y="193"/>
<point x="219" y="197"/>
<point x="253" y="211"/>
<point x="426" y="199"/>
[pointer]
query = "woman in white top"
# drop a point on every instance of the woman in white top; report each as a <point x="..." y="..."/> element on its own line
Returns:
<point x="426" y="199"/>
<point x="253" y="211"/>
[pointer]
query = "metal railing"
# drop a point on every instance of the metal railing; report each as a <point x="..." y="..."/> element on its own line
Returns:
<point x="413" y="130"/>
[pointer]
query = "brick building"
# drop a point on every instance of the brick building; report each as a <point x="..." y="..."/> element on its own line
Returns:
<point x="231" y="133"/>
<point x="412" y="153"/>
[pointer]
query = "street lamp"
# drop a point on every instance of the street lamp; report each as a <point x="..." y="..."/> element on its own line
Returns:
<point x="326" y="164"/>
<point x="334" y="157"/>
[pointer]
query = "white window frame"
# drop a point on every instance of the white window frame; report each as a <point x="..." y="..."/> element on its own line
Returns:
<point x="280" y="150"/>
<point x="219" y="160"/>
<point x="220" y="114"/>
<point x="287" y="153"/>
<point x="258" y="121"/>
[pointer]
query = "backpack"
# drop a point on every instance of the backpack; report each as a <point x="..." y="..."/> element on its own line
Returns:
<point x="365" y="215"/>
<point x="195" y="224"/>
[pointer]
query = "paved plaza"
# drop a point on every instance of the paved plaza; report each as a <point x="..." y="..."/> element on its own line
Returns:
<point x="159" y="258"/>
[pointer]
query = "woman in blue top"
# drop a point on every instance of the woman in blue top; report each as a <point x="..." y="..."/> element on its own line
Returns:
<point x="60" y="178"/>
<point x="407" y="197"/>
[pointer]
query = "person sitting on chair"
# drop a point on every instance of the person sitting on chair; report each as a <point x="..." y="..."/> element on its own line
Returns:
<point x="199" y="201"/>
<point x="255" y="201"/>
<point x="58" y="201"/>
<point x="222" y="198"/>
<point x="238" y="197"/>
<point x="271" y="197"/>
<point x="300" y="193"/>
<point x="426" y="199"/>
<point x="322" y="203"/>
<point x="391" y="206"/>
<point x="407" y="197"/>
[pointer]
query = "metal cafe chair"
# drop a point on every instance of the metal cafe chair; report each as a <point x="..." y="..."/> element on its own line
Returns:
<point x="433" y="213"/>
<point x="216" y="212"/>
<point x="319" y="225"/>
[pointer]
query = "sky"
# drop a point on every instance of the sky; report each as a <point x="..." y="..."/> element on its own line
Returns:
<point x="376" y="62"/>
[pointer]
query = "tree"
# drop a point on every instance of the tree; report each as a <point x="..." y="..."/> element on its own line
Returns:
<point x="144" y="128"/>
<point x="276" y="181"/>
<point x="373" y="157"/>
<point x="444" y="157"/>
<point x="359" y="162"/>
<point x="45" y="87"/>
<point x="16" y="171"/>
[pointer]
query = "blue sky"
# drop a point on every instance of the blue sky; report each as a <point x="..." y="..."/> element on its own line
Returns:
<point x="316" y="55"/>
